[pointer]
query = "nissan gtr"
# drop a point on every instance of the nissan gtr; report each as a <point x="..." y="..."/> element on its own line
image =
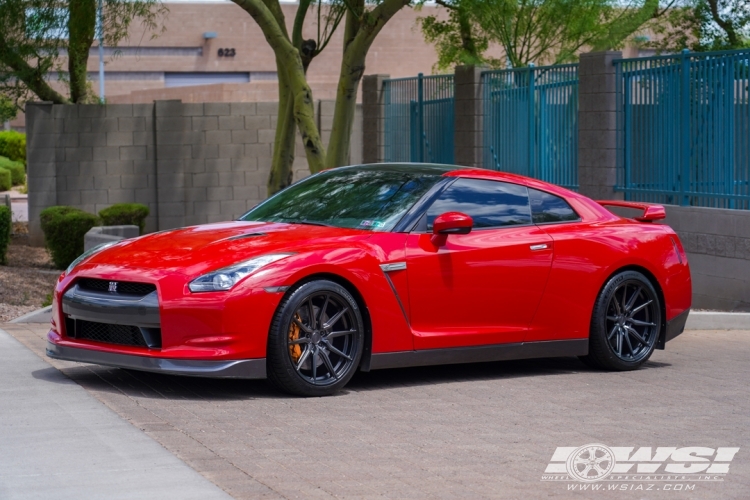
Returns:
<point x="381" y="266"/>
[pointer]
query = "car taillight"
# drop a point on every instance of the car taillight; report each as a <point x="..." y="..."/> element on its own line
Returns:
<point x="681" y="255"/>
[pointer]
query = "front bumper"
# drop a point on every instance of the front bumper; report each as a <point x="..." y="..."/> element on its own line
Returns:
<point x="243" y="368"/>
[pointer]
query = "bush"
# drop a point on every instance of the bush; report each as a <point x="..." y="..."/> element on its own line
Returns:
<point x="125" y="214"/>
<point x="17" y="172"/>
<point x="64" y="229"/>
<point x="5" y="225"/>
<point x="13" y="145"/>
<point x="5" y="180"/>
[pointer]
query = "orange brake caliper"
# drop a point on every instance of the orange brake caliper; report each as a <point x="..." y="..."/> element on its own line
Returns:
<point x="295" y="351"/>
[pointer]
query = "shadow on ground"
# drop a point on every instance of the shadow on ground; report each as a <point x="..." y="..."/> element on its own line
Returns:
<point x="159" y="386"/>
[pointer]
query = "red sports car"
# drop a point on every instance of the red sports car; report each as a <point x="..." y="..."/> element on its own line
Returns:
<point x="381" y="266"/>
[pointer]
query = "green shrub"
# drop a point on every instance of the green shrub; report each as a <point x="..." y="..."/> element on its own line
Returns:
<point x="64" y="229"/>
<point x="125" y="214"/>
<point x="5" y="225"/>
<point x="13" y="145"/>
<point x="5" y="180"/>
<point x="17" y="172"/>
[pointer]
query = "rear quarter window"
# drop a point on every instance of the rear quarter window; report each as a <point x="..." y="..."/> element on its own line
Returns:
<point x="547" y="208"/>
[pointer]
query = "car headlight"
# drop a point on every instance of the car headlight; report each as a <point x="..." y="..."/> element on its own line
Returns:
<point x="224" y="279"/>
<point x="88" y="253"/>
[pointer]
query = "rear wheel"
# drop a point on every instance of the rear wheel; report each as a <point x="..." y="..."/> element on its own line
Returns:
<point x="625" y="324"/>
<point x="316" y="340"/>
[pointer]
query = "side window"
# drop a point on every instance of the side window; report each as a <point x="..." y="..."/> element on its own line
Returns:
<point x="489" y="203"/>
<point x="547" y="208"/>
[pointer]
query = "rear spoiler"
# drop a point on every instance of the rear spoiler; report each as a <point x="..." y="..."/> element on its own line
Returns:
<point x="651" y="212"/>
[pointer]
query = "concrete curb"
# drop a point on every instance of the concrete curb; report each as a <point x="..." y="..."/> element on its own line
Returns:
<point x="43" y="315"/>
<point x="710" y="320"/>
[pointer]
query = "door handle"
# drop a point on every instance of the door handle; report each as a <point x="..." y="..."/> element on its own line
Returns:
<point x="542" y="246"/>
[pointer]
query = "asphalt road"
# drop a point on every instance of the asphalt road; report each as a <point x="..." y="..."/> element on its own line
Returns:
<point x="469" y="431"/>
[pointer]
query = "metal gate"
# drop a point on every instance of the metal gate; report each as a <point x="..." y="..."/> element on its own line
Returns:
<point x="531" y="122"/>
<point x="419" y="119"/>
<point x="683" y="129"/>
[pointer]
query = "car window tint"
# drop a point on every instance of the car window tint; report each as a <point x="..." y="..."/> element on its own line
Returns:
<point x="489" y="203"/>
<point x="547" y="207"/>
<point x="353" y="197"/>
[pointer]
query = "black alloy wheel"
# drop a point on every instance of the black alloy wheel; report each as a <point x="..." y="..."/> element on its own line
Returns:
<point x="626" y="323"/>
<point x="316" y="340"/>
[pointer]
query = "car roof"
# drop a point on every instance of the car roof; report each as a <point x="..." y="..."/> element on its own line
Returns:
<point x="468" y="172"/>
<point x="421" y="168"/>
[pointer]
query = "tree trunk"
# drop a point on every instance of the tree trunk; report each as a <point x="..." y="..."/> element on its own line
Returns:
<point x="81" y="31"/>
<point x="304" y="116"/>
<point x="357" y="39"/>
<point x="339" y="146"/>
<point x="288" y="60"/>
<point x="283" y="146"/>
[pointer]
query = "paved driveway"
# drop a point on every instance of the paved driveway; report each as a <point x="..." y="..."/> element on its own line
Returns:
<point x="469" y="431"/>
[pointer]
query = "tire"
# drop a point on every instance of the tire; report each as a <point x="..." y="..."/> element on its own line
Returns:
<point x="625" y="324"/>
<point x="316" y="340"/>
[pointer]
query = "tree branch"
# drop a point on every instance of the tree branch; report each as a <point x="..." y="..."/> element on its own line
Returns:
<point x="33" y="79"/>
<point x="727" y="26"/>
<point x="376" y="19"/>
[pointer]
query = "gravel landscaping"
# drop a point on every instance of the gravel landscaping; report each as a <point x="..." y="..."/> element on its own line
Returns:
<point x="26" y="283"/>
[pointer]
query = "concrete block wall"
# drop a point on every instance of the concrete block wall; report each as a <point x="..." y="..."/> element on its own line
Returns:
<point x="213" y="159"/>
<point x="717" y="242"/>
<point x="373" y="122"/>
<point x="190" y="163"/>
<point x="597" y="133"/>
<point x="90" y="157"/>
<point x="468" y="121"/>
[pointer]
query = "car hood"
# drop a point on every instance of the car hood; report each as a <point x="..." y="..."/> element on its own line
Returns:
<point x="198" y="249"/>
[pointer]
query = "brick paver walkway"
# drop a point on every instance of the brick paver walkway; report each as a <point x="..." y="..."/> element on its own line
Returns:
<point x="469" y="431"/>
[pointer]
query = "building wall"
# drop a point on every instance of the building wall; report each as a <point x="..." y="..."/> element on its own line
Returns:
<point x="141" y="62"/>
<point x="134" y="71"/>
<point x="190" y="163"/>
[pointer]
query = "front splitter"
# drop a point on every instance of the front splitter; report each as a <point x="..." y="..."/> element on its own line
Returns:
<point x="241" y="368"/>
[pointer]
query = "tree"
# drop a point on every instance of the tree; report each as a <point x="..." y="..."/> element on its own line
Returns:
<point x="703" y="25"/>
<point x="458" y="39"/>
<point x="538" y="31"/>
<point x="363" y="21"/>
<point x="35" y="36"/>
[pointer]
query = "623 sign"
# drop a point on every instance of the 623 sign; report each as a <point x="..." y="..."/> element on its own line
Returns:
<point x="226" y="52"/>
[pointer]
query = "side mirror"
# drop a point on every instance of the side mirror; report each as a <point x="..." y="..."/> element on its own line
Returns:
<point x="452" y="223"/>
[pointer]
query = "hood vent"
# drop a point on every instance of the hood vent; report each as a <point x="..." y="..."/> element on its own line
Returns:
<point x="243" y="236"/>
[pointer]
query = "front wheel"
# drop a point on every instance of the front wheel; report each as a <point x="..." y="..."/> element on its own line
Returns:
<point x="316" y="340"/>
<point x="625" y="324"/>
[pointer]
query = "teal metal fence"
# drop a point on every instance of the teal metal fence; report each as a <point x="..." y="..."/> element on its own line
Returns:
<point x="531" y="122"/>
<point x="419" y="119"/>
<point x="683" y="129"/>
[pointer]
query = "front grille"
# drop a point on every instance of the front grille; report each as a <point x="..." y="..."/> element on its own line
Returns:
<point x="123" y="287"/>
<point x="112" y="334"/>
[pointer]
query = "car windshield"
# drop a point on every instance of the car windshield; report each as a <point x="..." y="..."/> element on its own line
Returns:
<point x="358" y="198"/>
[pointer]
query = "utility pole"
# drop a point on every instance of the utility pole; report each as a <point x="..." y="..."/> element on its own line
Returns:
<point x="101" y="52"/>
